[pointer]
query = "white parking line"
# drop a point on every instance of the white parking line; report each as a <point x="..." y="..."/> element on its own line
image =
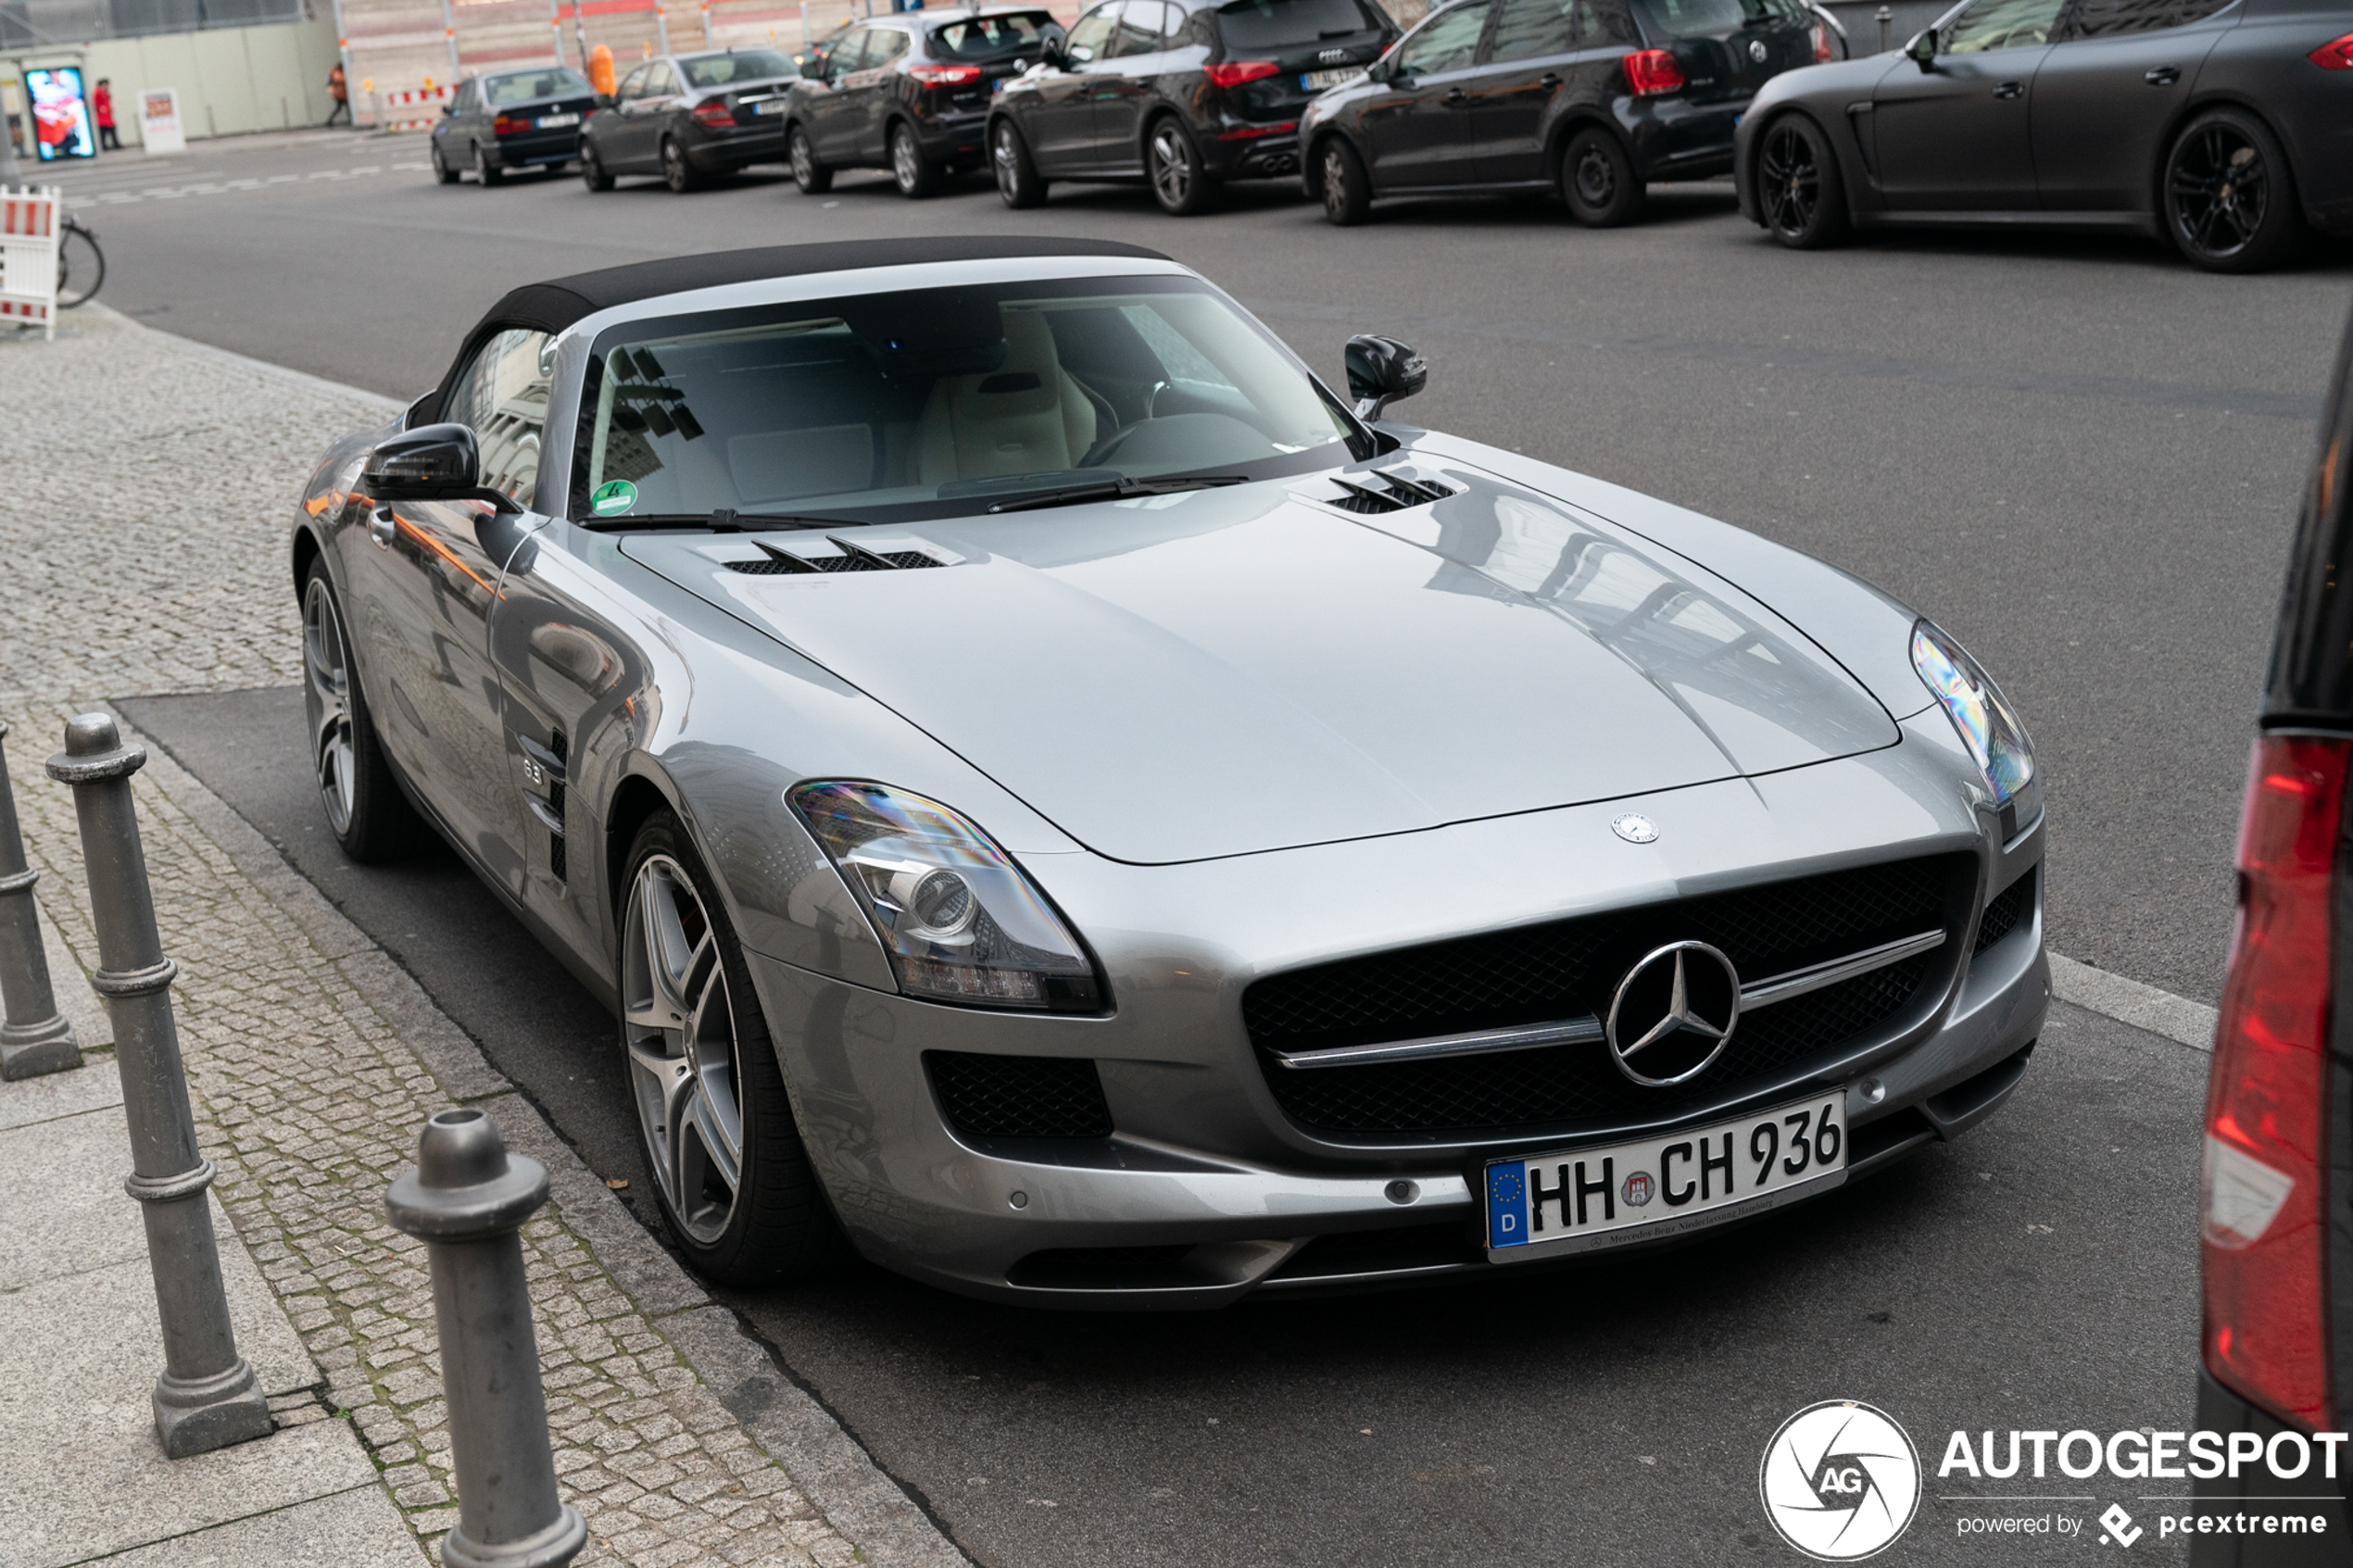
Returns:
<point x="221" y="187"/>
<point x="2129" y="1002"/>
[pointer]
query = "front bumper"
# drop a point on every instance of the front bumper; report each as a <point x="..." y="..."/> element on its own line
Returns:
<point x="1207" y="1192"/>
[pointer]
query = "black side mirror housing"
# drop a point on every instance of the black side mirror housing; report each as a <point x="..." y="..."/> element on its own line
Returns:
<point x="1051" y="55"/>
<point x="604" y="100"/>
<point x="1380" y="371"/>
<point x="814" y="68"/>
<point x="1922" y="48"/>
<point x="431" y="463"/>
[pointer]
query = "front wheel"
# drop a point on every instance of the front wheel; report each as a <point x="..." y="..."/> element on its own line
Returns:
<point x="730" y="1171"/>
<point x="1180" y="182"/>
<point x="813" y="178"/>
<point x="365" y="809"/>
<point x="1798" y="190"/>
<point x="676" y="172"/>
<point x="1347" y="195"/>
<point x="916" y="175"/>
<point x="487" y="173"/>
<point x="82" y="266"/>
<point x="1009" y="159"/>
<point x="1598" y="180"/>
<point x="2229" y="203"/>
<point x="593" y="172"/>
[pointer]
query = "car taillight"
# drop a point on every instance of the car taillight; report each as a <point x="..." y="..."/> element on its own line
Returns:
<point x="1821" y="44"/>
<point x="2335" y="56"/>
<point x="1233" y="73"/>
<point x="1652" y="71"/>
<point x="715" y="113"/>
<point x="2260" y="1200"/>
<point x="506" y="125"/>
<point x="944" y="76"/>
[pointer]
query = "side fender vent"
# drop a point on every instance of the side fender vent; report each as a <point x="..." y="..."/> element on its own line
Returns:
<point x="774" y="562"/>
<point x="1393" y="493"/>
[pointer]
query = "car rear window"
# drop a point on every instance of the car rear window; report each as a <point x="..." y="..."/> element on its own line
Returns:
<point x="1281" y="24"/>
<point x="1692" y="19"/>
<point x="748" y="65"/>
<point x="983" y="38"/>
<point x="524" y="86"/>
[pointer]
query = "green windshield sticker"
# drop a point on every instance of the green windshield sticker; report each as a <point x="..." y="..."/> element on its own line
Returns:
<point x="613" y="498"/>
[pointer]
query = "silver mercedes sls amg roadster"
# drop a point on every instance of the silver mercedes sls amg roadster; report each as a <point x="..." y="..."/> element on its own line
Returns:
<point x="1068" y="806"/>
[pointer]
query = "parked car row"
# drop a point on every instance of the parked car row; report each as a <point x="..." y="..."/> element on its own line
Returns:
<point x="2225" y="126"/>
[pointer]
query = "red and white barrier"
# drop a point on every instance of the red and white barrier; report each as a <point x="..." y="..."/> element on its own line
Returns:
<point x="416" y="101"/>
<point x="31" y="227"/>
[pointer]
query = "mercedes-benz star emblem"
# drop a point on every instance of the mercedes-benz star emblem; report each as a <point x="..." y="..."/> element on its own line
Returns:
<point x="1676" y="1010"/>
<point x="1635" y="828"/>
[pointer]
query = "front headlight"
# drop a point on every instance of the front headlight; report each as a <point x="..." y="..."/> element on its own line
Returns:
<point x="959" y="921"/>
<point x="1990" y="727"/>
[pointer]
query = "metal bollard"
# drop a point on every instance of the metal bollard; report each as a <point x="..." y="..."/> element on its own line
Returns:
<point x="1886" y="18"/>
<point x="466" y="1198"/>
<point x="206" y="1398"/>
<point x="34" y="1038"/>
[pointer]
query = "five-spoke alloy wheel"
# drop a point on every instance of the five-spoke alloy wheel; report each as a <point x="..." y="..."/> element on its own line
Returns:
<point x="1798" y="185"/>
<point x="1179" y="184"/>
<point x="2227" y="203"/>
<point x="916" y="175"/>
<point x="1009" y="159"/>
<point x="813" y="178"/>
<point x="370" y="816"/>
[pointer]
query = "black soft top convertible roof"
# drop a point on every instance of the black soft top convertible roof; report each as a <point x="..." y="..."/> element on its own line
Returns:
<point x="553" y="306"/>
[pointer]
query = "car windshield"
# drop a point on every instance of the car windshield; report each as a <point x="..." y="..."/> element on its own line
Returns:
<point x="527" y="86"/>
<point x="742" y="65"/>
<point x="939" y="402"/>
<point x="985" y="38"/>
<point x="1284" y="24"/>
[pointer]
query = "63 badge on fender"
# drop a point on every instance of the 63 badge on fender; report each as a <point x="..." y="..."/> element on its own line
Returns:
<point x="1578" y="1200"/>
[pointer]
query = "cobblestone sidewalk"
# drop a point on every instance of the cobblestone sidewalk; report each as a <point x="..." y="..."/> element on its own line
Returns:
<point x="142" y="550"/>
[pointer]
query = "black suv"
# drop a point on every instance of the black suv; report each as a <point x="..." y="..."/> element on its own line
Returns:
<point x="1182" y="93"/>
<point x="689" y="116"/>
<point x="511" y="120"/>
<point x="908" y="94"/>
<point x="1594" y="98"/>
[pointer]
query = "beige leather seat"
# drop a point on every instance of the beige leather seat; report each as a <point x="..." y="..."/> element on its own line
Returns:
<point x="1028" y="416"/>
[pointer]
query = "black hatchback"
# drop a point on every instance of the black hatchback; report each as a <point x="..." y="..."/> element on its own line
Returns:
<point x="1594" y="98"/>
<point x="508" y="121"/>
<point x="1183" y="94"/>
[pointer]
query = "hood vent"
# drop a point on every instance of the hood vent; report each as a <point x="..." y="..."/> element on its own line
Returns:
<point x="1396" y="492"/>
<point x="784" y="563"/>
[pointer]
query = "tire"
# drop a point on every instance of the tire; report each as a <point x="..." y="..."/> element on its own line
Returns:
<point x="593" y="172"/>
<point x="702" y="1073"/>
<point x="1348" y="195"/>
<point x="82" y="266"/>
<point x="487" y="173"/>
<point x="676" y="172"/>
<point x="1598" y="182"/>
<point x="371" y="818"/>
<point x="1009" y="159"/>
<point x="442" y="173"/>
<point x="1798" y="188"/>
<point x="1172" y="162"/>
<point x="813" y="178"/>
<point x="2228" y="196"/>
<point x="916" y="175"/>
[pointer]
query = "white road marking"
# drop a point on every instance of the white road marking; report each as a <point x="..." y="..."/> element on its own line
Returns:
<point x="215" y="188"/>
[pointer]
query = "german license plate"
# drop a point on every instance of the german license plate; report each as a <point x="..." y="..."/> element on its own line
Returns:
<point x="1316" y="80"/>
<point x="769" y="106"/>
<point x="1580" y="1199"/>
<point x="557" y="122"/>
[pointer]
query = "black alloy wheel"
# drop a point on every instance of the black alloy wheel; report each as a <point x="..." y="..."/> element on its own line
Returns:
<point x="487" y="173"/>
<point x="593" y="172"/>
<point x="1598" y="180"/>
<point x="813" y="178"/>
<point x="1017" y="179"/>
<point x="676" y="172"/>
<point x="916" y="175"/>
<point x="442" y="173"/>
<point x="2229" y="203"/>
<point x="371" y="818"/>
<point x="730" y="1171"/>
<point x="1180" y="182"/>
<point x="1348" y="196"/>
<point x="1798" y="185"/>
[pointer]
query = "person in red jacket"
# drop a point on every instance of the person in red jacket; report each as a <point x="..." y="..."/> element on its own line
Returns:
<point x="102" y="105"/>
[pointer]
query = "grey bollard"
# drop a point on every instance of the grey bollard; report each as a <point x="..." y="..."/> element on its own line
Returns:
<point x="34" y="1038"/>
<point x="206" y="1398"/>
<point x="466" y="1200"/>
<point x="1886" y="18"/>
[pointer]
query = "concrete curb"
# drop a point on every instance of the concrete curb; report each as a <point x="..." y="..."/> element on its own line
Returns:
<point x="315" y="385"/>
<point x="2129" y="1002"/>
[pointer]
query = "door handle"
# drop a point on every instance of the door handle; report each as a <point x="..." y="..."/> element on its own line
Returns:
<point x="381" y="526"/>
<point x="2163" y="76"/>
<point x="1457" y="95"/>
<point x="1550" y="79"/>
<point x="2008" y="90"/>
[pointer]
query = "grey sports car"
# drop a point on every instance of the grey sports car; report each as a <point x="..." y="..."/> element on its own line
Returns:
<point x="1065" y="806"/>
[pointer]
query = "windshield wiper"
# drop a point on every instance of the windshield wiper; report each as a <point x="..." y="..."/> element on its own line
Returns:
<point x="1116" y="490"/>
<point x="721" y="521"/>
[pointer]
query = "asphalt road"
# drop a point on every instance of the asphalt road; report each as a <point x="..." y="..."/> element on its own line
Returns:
<point x="2078" y="456"/>
<point x="2039" y="1273"/>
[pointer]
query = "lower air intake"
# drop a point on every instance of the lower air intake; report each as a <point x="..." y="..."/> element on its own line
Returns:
<point x="1019" y="1097"/>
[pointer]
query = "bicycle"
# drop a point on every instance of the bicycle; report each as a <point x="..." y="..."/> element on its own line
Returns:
<point x="82" y="266"/>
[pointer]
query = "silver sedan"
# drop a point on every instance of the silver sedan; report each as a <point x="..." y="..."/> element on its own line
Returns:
<point x="1068" y="806"/>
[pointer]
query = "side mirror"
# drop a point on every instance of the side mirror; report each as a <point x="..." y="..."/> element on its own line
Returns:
<point x="1922" y="48"/>
<point x="1051" y="55"/>
<point x="1380" y="371"/>
<point x="604" y="100"/>
<point x="814" y="68"/>
<point x="448" y="110"/>
<point x="430" y="463"/>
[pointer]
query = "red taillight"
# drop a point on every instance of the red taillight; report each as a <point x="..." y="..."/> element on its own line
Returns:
<point x="715" y="113"/>
<point x="2335" y="56"/>
<point x="507" y="126"/>
<point x="1249" y="132"/>
<point x="1233" y="73"/>
<point x="1652" y="71"/>
<point x="2261" y="1201"/>
<point x="1821" y="44"/>
<point x="944" y="76"/>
